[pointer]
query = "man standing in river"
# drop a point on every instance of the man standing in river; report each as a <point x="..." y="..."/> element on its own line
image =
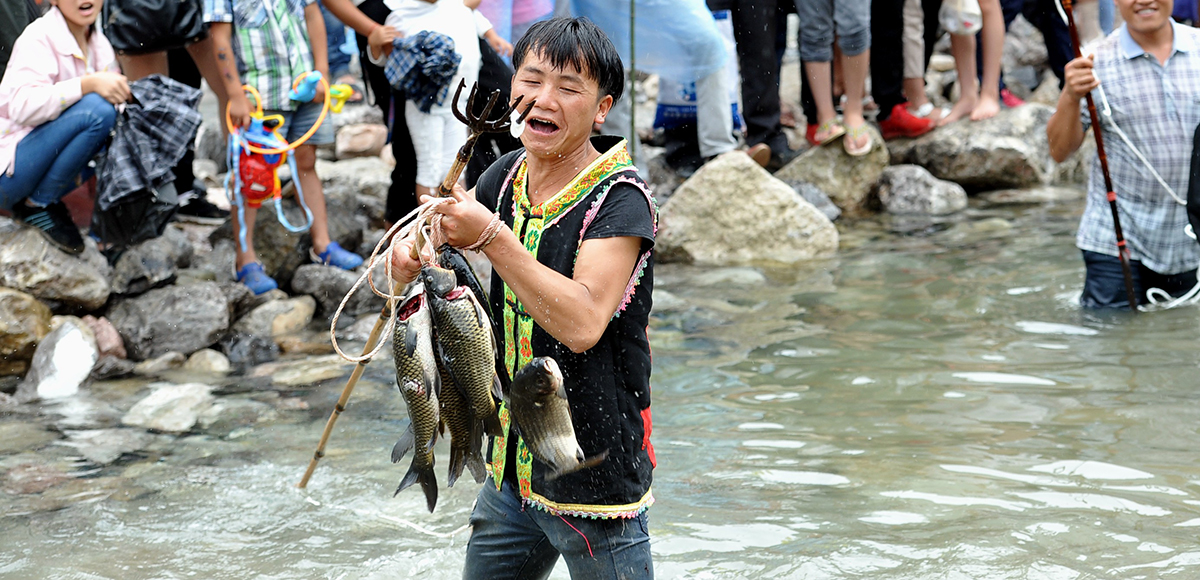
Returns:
<point x="1148" y="74"/>
<point x="572" y="280"/>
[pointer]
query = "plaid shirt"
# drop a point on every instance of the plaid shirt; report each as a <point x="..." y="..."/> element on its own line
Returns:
<point x="270" y="39"/>
<point x="1158" y="107"/>
<point x="422" y="67"/>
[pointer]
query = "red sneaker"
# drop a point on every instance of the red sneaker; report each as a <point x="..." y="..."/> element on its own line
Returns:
<point x="810" y="134"/>
<point x="902" y="123"/>
<point x="1010" y="100"/>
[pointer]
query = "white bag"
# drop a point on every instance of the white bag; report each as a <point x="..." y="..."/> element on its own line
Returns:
<point x="961" y="16"/>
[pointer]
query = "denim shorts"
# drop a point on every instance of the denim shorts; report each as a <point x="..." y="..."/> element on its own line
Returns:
<point x="1104" y="284"/>
<point x="297" y="123"/>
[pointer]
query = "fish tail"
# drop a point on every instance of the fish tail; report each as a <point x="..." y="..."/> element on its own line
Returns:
<point x="405" y="444"/>
<point x="458" y="459"/>
<point x="475" y="465"/>
<point x="424" y="475"/>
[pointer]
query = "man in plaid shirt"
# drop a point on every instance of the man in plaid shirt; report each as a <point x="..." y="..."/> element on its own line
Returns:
<point x="267" y="44"/>
<point x="1149" y="74"/>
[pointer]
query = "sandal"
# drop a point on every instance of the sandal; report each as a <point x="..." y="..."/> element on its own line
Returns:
<point x="828" y="132"/>
<point x="853" y="134"/>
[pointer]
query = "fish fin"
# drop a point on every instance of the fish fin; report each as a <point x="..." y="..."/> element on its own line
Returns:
<point x="475" y="453"/>
<point x="561" y="391"/>
<point x="425" y="476"/>
<point x="405" y="444"/>
<point x="410" y="339"/>
<point x="480" y="314"/>
<point x="497" y="387"/>
<point x="433" y="383"/>
<point x="590" y="462"/>
<point x="491" y="425"/>
<point x="458" y="458"/>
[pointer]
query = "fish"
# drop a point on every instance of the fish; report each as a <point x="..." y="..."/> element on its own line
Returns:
<point x="537" y="400"/>
<point x="419" y="382"/>
<point x="465" y="345"/>
<point x="466" y="433"/>
<point x="450" y="258"/>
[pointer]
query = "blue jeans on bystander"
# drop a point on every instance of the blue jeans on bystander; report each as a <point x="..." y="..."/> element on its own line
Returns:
<point x="510" y="541"/>
<point x="50" y="158"/>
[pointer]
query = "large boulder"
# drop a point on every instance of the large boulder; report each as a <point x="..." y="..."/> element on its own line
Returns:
<point x="847" y="180"/>
<point x="170" y="408"/>
<point x="277" y="317"/>
<point x="62" y="362"/>
<point x="282" y="251"/>
<point x="364" y="140"/>
<point x="911" y="190"/>
<point x="151" y="263"/>
<point x="733" y="212"/>
<point x="23" y="323"/>
<point x="29" y="263"/>
<point x="176" y="318"/>
<point x="329" y="285"/>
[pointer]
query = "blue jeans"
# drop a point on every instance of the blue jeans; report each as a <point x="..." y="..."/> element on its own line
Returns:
<point x="1104" y="283"/>
<point x="50" y="158"/>
<point x="510" y="542"/>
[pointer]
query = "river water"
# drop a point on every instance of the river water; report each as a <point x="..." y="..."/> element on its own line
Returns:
<point x="929" y="404"/>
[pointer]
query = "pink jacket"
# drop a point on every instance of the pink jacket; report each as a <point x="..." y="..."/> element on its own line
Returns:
<point x="43" y="78"/>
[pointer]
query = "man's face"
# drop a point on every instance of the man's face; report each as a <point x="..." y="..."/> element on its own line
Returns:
<point x="1146" y="16"/>
<point x="568" y="104"/>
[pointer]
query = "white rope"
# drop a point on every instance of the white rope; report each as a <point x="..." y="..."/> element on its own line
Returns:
<point x="1106" y="110"/>
<point x="418" y="218"/>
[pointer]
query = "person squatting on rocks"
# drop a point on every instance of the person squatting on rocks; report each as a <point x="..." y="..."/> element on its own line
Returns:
<point x="1148" y="75"/>
<point x="270" y="48"/>
<point x="572" y="280"/>
<point x="58" y="102"/>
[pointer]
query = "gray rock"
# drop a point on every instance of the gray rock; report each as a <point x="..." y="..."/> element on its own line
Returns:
<point x="278" y="317"/>
<point x="360" y="185"/>
<point x="357" y="114"/>
<point x="170" y="408"/>
<point x="247" y="350"/>
<point x="329" y="285"/>
<point x="30" y="264"/>
<point x="1024" y="46"/>
<point x="211" y="144"/>
<point x="160" y="364"/>
<point x="227" y="415"/>
<point x="662" y="179"/>
<point x="108" y="340"/>
<point x="813" y="194"/>
<point x="360" y="331"/>
<point x="208" y="361"/>
<point x="911" y="190"/>
<point x="105" y="446"/>
<point x="181" y="319"/>
<point x="304" y="372"/>
<point x="111" y="367"/>
<point x="151" y="263"/>
<point x="767" y="223"/>
<point x="1047" y="194"/>
<point x="62" y="362"/>
<point x="365" y="140"/>
<point x="220" y="261"/>
<point x="847" y="180"/>
<point x="23" y="323"/>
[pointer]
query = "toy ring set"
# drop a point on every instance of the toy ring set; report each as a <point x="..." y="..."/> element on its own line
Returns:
<point x="256" y="152"/>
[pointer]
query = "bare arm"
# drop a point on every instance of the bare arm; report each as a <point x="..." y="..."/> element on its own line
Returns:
<point x="239" y="106"/>
<point x="1064" y="130"/>
<point x="379" y="37"/>
<point x="316" y="38"/>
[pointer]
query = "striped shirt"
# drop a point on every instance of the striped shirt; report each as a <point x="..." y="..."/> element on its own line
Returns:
<point x="270" y="39"/>
<point x="1158" y="107"/>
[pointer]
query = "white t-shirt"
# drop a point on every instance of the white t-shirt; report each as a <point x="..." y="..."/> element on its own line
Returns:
<point x="450" y="17"/>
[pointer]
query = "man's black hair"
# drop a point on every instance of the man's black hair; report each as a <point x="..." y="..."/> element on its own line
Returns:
<point x="579" y="43"/>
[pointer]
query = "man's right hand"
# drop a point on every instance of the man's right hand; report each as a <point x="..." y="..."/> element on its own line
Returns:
<point x="239" y="109"/>
<point x="1080" y="80"/>
<point x="381" y="39"/>
<point x="114" y="87"/>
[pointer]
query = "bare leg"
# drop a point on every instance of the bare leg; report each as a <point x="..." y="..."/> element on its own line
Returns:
<point x="817" y="75"/>
<point x="244" y="256"/>
<point x="962" y="46"/>
<point x="839" y="75"/>
<point x="992" y="37"/>
<point x="855" y="69"/>
<point x="314" y="195"/>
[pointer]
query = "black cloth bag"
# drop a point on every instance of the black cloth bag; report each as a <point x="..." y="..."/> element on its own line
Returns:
<point x="1193" y="192"/>
<point x="145" y="26"/>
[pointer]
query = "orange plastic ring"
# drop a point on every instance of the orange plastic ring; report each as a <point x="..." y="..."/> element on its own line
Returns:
<point x="258" y="109"/>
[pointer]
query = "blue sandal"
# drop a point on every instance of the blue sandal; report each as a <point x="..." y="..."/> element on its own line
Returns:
<point x="335" y="255"/>
<point x="256" y="279"/>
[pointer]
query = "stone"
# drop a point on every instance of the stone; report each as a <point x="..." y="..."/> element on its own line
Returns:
<point x="160" y="364"/>
<point x="220" y="261"/>
<point x="357" y="114"/>
<point x="108" y="340"/>
<point x="813" y="194"/>
<point x="660" y="176"/>
<point x="62" y="362"/>
<point x="329" y="285"/>
<point x="30" y="264"/>
<point x="17" y="437"/>
<point x="248" y="350"/>
<point x="1047" y="92"/>
<point x="30" y="478"/>
<point x="208" y="361"/>
<point x="732" y="212"/>
<point x="941" y="63"/>
<point x="151" y="263"/>
<point x="911" y="190"/>
<point x="359" y="184"/>
<point x="1024" y="45"/>
<point x="1009" y="150"/>
<point x="278" y="317"/>
<point x="280" y="250"/>
<point x="23" y="323"/>
<point x="847" y="180"/>
<point x="182" y="319"/>
<point x="106" y="446"/>
<point x="170" y="408"/>
<point x="304" y="344"/>
<point x="207" y="171"/>
<point x="360" y="141"/>
<point x="212" y="144"/>
<point x="304" y="372"/>
<point x="228" y="414"/>
<point x="111" y="367"/>
<point x="360" y="331"/>
<point x="1035" y="195"/>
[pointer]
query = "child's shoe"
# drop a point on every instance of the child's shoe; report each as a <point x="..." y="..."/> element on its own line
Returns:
<point x="335" y="255"/>
<point x="256" y="279"/>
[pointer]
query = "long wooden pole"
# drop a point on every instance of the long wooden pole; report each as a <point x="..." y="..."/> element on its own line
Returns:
<point x="372" y="340"/>
<point x="1122" y="248"/>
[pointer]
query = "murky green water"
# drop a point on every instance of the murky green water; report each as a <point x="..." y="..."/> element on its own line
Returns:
<point x="930" y="404"/>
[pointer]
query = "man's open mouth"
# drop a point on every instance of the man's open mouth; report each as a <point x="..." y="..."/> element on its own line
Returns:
<point x="541" y="126"/>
